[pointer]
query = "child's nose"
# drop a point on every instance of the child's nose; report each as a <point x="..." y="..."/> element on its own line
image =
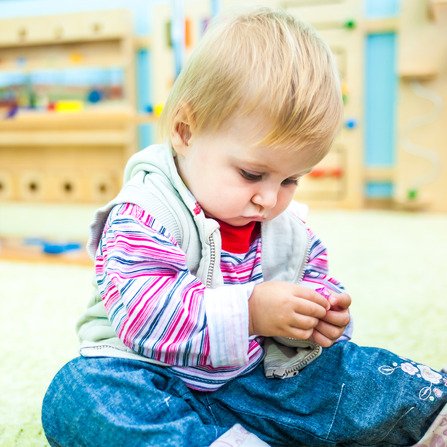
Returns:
<point x="266" y="198"/>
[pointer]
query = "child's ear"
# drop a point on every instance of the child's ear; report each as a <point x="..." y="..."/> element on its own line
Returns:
<point x="182" y="128"/>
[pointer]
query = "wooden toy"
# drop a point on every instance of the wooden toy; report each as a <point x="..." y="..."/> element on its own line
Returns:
<point x="43" y="251"/>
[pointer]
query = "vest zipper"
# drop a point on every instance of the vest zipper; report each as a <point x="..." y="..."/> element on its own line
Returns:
<point x="301" y="272"/>
<point x="316" y="351"/>
<point x="209" y="277"/>
<point x="315" y="348"/>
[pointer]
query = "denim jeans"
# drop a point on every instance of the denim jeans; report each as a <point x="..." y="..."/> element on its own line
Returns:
<point x="350" y="395"/>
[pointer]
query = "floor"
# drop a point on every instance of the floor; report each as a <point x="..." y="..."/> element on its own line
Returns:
<point x="392" y="263"/>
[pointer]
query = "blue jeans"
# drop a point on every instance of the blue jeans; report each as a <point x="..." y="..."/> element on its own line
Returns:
<point x="350" y="395"/>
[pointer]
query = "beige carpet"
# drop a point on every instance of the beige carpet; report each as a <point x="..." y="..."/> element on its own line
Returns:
<point x="392" y="263"/>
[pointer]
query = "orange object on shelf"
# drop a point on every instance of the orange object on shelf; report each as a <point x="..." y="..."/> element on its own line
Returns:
<point x="326" y="172"/>
<point x="337" y="172"/>
<point x="317" y="173"/>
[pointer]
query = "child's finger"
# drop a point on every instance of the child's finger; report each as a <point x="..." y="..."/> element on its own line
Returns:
<point x="338" y="318"/>
<point x="340" y="301"/>
<point x="329" y="330"/>
<point x="321" y="339"/>
<point x="312" y="295"/>
<point x="310" y="308"/>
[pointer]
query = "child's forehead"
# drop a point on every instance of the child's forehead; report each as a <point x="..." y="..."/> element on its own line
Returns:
<point x="242" y="139"/>
<point x="253" y="130"/>
<point x="250" y="126"/>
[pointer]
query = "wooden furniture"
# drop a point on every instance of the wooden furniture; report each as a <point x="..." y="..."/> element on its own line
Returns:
<point x="68" y="156"/>
<point x="421" y="168"/>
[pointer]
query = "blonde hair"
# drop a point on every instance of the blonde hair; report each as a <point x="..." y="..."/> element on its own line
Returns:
<point x="264" y="63"/>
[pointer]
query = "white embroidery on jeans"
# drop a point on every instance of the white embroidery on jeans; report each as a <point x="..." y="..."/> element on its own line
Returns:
<point x="430" y="391"/>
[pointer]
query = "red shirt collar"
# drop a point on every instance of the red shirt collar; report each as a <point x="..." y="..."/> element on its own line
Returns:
<point x="238" y="239"/>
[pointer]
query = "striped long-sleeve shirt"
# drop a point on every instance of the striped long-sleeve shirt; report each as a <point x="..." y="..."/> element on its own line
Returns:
<point x="157" y="306"/>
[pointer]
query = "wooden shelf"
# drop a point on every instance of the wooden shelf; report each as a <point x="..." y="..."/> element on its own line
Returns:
<point x="420" y="73"/>
<point x="379" y="174"/>
<point x="91" y="26"/>
<point x="438" y="11"/>
<point x="95" y="126"/>
<point x="63" y="138"/>
<point x="385" y="25"/>
<point x="91" y="118"/>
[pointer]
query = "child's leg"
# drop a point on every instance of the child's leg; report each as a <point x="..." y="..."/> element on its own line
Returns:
<point x="350" y="395"/>
<point x="237" y="436"/>
<point x="117" y="402"/>
<point x="436" y="435"/>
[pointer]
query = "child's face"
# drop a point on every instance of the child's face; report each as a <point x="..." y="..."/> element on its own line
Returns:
<point x="235" y="181"/>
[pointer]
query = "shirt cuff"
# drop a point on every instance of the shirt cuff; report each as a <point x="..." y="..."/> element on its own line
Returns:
<point x="349" y="329"/>
<point x="226" y="310"/>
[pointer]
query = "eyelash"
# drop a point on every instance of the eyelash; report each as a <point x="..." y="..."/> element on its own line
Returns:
<point x="257" y="177"/>
<point x="249" y="176"/>
<point x="290" y="181"/>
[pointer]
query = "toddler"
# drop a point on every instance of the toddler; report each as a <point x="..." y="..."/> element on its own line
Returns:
<point x="210" y="289"/>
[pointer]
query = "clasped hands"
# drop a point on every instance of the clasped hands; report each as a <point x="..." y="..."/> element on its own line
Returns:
<point x="279" y="308"/>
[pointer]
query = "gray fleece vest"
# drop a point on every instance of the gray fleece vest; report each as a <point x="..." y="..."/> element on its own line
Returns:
<point x="152" y="182"/>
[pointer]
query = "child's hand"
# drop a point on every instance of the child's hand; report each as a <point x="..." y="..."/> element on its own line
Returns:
<point x="333" y="324"/>
<point x="279" y="308"/>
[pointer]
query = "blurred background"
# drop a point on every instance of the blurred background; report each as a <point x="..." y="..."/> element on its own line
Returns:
<point x="82" y="84"/>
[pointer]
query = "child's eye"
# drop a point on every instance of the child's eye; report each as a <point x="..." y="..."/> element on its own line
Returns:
<point x="290" y="181"/>
<point x="250" y="175"/>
